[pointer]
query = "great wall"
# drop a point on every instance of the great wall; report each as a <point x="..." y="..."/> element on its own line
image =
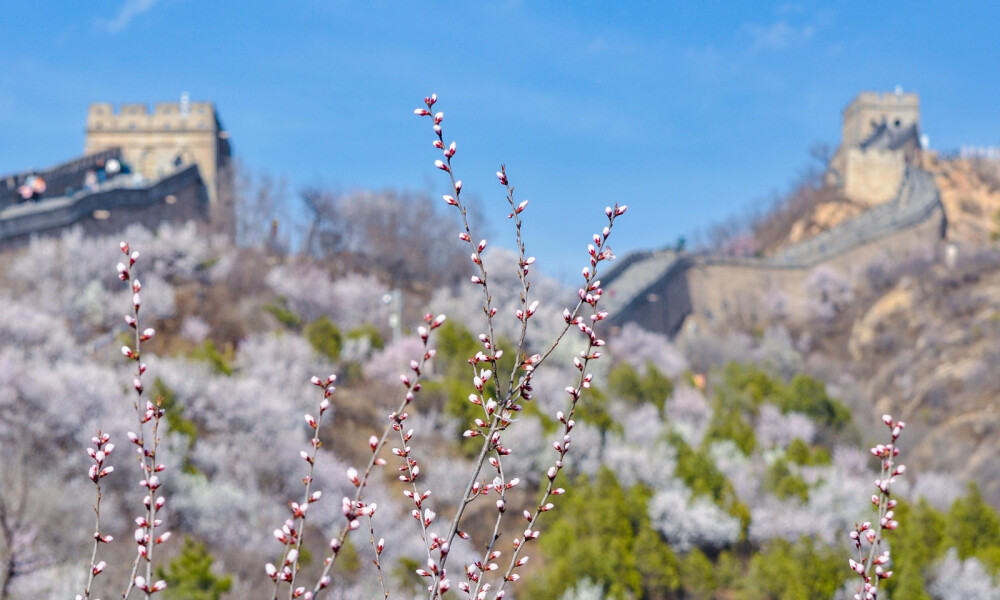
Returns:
<point x="170" y="164"/>
<point x="660" y="290"/>
<point x="667" y="290"/>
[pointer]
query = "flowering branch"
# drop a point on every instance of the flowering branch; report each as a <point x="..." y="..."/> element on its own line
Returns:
<point x="145" y="534"/>
<point x="290" y="533"/>
<point x="97" y="471"/>
<point x="355" y="508"/>
<point x="377" y="547"/>
<point x="590" y="294"/>
<point x="877" y="558"/>
<point x="498" y="413"/>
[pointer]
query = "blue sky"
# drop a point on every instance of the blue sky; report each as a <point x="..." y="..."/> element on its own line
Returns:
<point x="688" y="112"/>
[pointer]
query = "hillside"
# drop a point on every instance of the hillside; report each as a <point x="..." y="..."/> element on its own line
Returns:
<point x="760" y="467"/>
<point x="916" y="334"/>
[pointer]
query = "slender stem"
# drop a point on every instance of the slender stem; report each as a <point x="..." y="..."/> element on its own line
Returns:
<point x="378" y="558"/>
<point x="395" y="419"/>
<point x="299" y="512"/>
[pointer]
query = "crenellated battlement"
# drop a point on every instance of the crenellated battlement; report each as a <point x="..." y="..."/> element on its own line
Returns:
<point x="164" y="117"/>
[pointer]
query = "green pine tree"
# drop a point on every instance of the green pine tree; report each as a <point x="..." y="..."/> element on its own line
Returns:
<point x="189" y="575"/>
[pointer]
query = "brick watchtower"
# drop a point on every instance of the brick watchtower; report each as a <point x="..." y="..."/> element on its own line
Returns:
<point x="171" y="137"/>
<point x="880" y="136"/>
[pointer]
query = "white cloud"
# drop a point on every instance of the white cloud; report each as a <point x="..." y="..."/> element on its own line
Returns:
<point x="129" y="11"/>
<point x="778" y="36"/>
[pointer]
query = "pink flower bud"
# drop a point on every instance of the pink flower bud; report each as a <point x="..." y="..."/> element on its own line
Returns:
<point x="421" y="112"/>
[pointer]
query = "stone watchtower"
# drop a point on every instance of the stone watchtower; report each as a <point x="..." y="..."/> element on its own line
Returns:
<point x="880" y="136"/>
<point x="171" y="137"/>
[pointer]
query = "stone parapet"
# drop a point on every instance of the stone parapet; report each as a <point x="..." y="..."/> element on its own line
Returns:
<point x="179" y="197"/>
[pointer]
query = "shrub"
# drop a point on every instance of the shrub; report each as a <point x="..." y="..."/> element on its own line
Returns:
<point x="207" y="352"/>
<point x="972" y="526"/>
<point x="284" y="316"/>
<point x="783" y="483"/>
<point x="324" y="337"/>
<point x="653" y="387"/>
<point x="603" y="535"/>
<point x="190" y="577"/>
<point x="369" y="332"/>
<point x="799" y="571"/>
